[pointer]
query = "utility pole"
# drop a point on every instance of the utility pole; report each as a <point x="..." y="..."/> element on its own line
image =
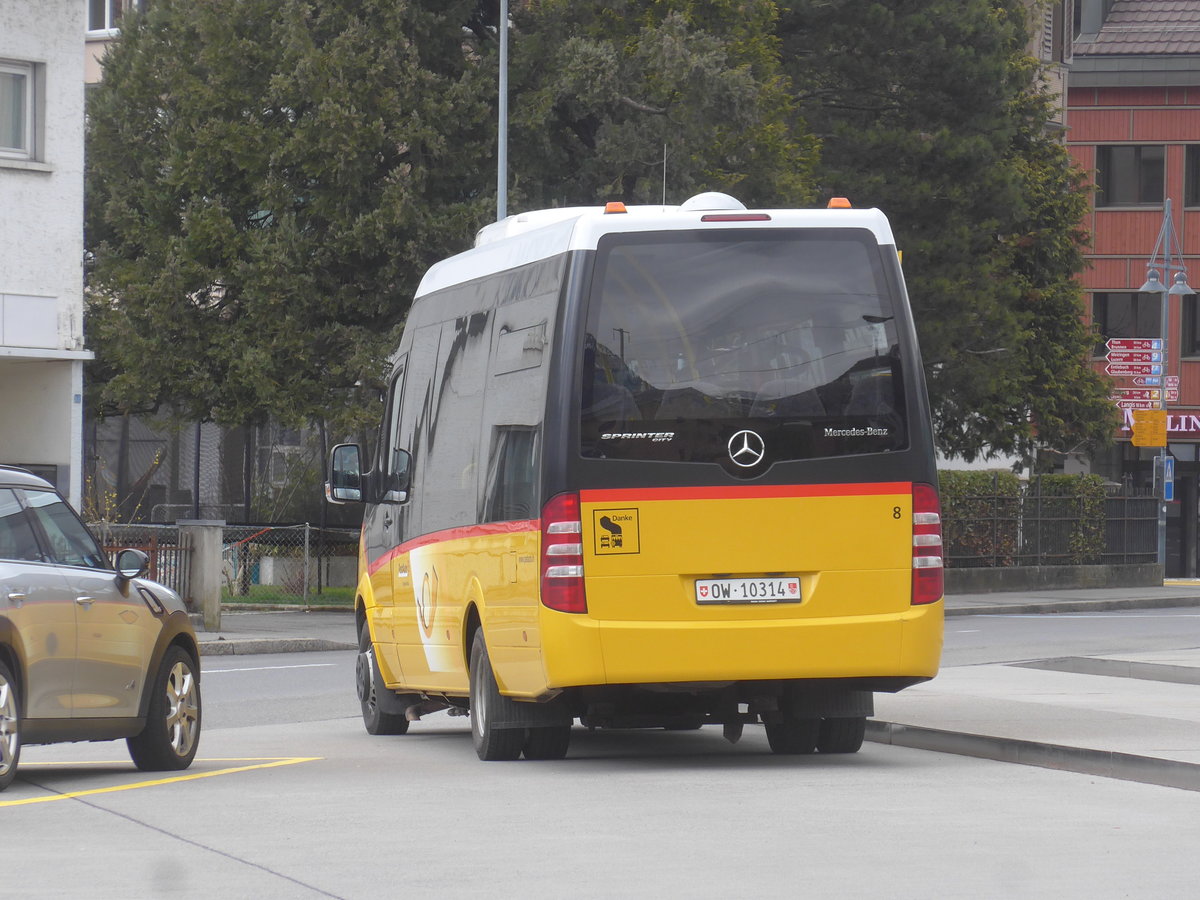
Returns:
<point x="502" y="131"/>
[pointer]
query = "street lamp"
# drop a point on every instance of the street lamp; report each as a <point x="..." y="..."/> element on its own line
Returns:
<point x="1160" y="262"/>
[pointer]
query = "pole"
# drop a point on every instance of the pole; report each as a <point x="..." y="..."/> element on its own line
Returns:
<point x="307" y="558"/>
<point x="196" y="474"/>
<point x="502" y="134"/>
<point x="1160" y="467"/>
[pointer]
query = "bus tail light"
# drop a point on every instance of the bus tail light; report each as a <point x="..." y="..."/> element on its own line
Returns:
<point x="562" y="555"/>
<point x="928" y="583"/>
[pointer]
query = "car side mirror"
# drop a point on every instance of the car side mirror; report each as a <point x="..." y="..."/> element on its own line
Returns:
<point x="132" y="564"/>
<point x="345" y="474"/>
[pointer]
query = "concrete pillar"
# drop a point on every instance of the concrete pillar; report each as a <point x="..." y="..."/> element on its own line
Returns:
<point x="204" y="572"/>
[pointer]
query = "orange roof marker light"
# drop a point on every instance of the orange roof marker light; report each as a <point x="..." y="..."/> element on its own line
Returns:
<point x="614" y="206"/>
<point x="838" y="203"/>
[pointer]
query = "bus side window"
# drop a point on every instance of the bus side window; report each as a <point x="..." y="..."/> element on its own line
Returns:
<point x="396" y="458"/>
<point x="511" y="493"/>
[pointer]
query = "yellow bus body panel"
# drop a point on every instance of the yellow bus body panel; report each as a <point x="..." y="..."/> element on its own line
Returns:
<point x="437" y="581"/>
<point x="851" y="548"/>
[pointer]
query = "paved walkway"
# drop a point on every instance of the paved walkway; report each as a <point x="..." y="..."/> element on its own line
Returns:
<point x="1129" y="716"/>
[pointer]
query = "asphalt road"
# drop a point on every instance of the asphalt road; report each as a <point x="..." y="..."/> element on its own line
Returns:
<point x="289" y="797"/>
<point x="976" y="640"/>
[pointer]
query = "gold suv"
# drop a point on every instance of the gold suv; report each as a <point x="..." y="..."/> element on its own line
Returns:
<point x="89" y="651"/>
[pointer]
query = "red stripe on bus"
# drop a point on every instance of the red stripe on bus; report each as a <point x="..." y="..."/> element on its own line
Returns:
<point x="749" y="492"/>
<point x="453" y="534"/>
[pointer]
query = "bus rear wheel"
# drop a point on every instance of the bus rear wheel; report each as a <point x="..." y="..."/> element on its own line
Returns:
<point x="491" y="743"/>
<point x="842" y="735"/>
<point x="793" y="737"/>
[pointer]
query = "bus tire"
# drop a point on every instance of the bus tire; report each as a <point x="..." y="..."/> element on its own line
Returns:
<point x="550" y="742"/>
<point x="370" y="686"/>
<point x="842" y="735"/>
<point x="793" y="737"/>
<point x="491" y="744"/>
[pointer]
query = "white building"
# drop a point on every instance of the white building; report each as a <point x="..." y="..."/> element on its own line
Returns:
<point x="41" y="238"/>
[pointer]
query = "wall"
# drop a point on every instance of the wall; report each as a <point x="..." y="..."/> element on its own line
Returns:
<point x="1027" y="578"/>
<point x="41" y="247"/>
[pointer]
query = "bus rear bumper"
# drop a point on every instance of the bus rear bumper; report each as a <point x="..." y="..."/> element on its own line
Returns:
<point x="581" y="651"/>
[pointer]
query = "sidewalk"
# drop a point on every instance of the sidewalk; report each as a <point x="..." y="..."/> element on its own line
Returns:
<point x="253" y="631"/>
<point x="1129" y="716"/>
<point x="278" y="632"/>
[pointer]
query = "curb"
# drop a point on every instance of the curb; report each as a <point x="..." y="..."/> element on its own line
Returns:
<point x="223" y="647"/>
<point x="1070" y="606"/>
<point x="1104" y="763"/>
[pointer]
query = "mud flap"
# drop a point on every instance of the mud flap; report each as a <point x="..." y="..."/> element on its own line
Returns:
<point x="510" y="713"/>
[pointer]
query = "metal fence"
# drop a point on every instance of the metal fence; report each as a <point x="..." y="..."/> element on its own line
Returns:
<point x="170" y="555"/>
<point x="160" y="470"/>
<point x="289" y="564"/>
<point x="1034" y="528"/>
<point x="261" y="564"/>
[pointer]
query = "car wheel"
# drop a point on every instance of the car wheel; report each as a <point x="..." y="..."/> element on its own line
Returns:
<point x="793" y="736"/>
<point x="10" y="727"/>
<point x="842" y="735"/>
<point x="547" y="743"/>
<point x="370" y="685"/>
<point x="490" y="743"/>
<point x="172" y="732"/>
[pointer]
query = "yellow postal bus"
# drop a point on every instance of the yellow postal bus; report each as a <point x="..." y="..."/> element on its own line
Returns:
<point x="651" y="467"/>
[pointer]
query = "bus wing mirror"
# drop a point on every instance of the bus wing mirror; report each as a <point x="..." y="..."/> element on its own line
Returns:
<point x="345" y="474"/>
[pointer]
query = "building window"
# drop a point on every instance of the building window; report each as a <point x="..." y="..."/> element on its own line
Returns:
<point x="1190" y="345"/>
<point x="1129" y="175"/>
<point x="1191" y="177"/>
<point x="1130" y="314"/>
<point x="16" y="110"/>
<point x="105" y="15"/>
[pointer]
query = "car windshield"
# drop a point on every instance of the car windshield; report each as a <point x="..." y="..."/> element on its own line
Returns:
<point x="692" y="337"/>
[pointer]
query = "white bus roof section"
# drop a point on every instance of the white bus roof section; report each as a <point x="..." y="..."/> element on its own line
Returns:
<point x="529" y="237"/>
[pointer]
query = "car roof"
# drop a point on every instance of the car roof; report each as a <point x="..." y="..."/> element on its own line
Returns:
<point x="14" y="476"/>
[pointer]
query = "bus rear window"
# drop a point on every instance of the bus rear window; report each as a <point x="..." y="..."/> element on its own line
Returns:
<point x="693" y="338"/>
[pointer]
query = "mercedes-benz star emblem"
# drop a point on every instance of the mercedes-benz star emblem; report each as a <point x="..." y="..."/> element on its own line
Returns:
<point x="747" y="449"/>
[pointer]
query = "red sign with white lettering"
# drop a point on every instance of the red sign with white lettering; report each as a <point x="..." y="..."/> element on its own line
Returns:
<point x="1137" y="394"/>
<point x="1134" y="343"/>
<point x="1126" y="369"/>
<point x="1134" y="356"/>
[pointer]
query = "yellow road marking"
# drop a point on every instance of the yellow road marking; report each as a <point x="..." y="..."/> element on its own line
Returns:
<point x="270" y="763"/>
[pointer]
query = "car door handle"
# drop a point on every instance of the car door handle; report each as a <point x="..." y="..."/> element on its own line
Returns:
<point x="17" y="597"/>
<point x="84" y="600"/>
<point x="387" y="520"/>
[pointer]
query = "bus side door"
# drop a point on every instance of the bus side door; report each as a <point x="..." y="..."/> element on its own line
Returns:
<point x="382" y="530"/>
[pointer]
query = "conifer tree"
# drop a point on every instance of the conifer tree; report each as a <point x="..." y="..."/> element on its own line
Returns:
<point x="934" y="112"/>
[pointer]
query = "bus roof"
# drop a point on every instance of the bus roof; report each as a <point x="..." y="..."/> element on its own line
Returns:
<point x="528" y="237"/>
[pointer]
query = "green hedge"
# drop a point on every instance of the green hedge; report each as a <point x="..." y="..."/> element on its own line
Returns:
<point x="980" y="517"/>
<point x="995" y="519"/>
